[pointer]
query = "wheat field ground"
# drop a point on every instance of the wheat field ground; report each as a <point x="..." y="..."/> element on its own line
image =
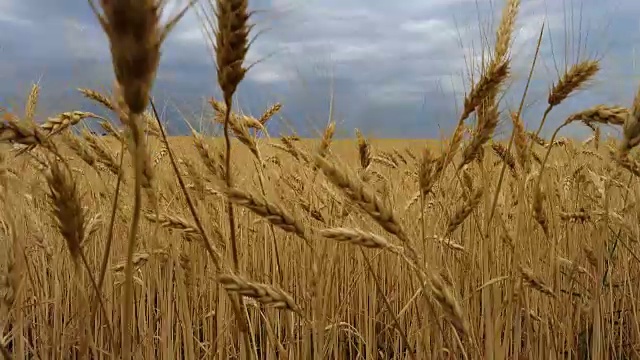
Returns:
<point x="532" y="294"/>
<point x="251" y="245"/>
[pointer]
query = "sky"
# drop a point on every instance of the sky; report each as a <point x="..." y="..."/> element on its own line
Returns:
<point x="393" y="68"/>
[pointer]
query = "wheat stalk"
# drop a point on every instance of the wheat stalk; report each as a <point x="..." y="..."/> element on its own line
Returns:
<point x="135" y="37"/>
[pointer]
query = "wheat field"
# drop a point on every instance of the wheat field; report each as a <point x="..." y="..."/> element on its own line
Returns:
<point x="250" y="245"/>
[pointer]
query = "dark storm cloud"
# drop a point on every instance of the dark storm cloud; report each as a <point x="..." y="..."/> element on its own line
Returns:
<point x="395" y="68"/>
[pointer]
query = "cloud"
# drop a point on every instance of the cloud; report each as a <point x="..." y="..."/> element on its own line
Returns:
<point x="8" y="17"/>
<point x="396" y="69"/>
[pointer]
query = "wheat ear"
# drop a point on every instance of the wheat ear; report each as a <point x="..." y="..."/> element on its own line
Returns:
<point x="265" y="294"/>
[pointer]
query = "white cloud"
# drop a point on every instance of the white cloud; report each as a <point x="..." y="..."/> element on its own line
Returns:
<point x="354" y="51"/>
<point x="428" y="27"/>
<point x="266" y="76"/>
<point x="270" y="73"/>
<point x="192" y="35"/>
<point x="14" y="20"/>
<point x="85" y="41"/>
<point x="9" y="16"/>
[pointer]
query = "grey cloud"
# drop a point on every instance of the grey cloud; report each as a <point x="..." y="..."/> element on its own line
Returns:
<point x="396" y="69"/>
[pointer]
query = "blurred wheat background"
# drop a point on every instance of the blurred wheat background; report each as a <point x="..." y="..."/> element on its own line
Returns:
<point x="248" y="245"/>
